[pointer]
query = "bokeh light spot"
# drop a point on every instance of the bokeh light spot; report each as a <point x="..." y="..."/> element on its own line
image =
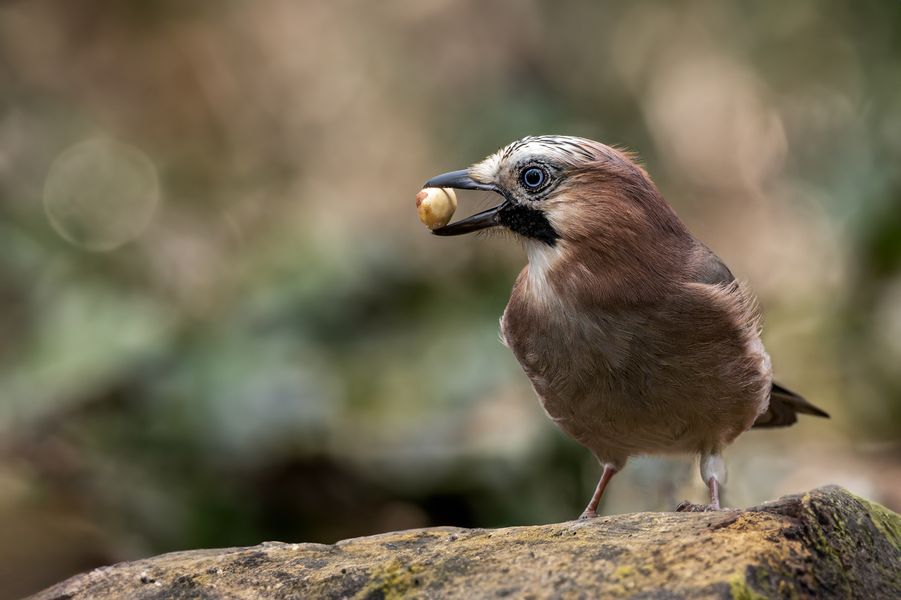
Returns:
<point x="100" y="194"/>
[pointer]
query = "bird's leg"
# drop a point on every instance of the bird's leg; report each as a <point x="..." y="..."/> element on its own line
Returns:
<point x="591" y="511"/>
<point x="714" y="486"/>
<point x="713" y="472"/>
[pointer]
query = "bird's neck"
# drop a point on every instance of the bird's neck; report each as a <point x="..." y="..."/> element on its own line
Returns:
<point x="544" y="262"/>
<point x="582" y="275"/>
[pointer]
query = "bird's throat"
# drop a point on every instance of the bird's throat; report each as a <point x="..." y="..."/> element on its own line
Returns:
<point x="528" y="222"/>
<point x="542" y="260"/>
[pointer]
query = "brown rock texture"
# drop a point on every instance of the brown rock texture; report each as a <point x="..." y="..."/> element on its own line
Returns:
<point x="826" y="543"/>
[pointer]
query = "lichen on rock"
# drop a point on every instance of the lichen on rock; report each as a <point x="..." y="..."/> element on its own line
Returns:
<point x="827" y="543"/>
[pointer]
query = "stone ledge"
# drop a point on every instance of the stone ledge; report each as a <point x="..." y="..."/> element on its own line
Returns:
<point x="826" y="543"/>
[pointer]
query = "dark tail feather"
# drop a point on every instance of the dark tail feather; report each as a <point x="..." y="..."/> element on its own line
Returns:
<point x="784" y="408"/>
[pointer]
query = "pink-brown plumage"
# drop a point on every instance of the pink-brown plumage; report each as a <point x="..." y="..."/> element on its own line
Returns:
<point x="635" y="336"/>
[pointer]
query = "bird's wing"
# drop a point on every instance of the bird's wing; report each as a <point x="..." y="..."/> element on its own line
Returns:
<point x="785" y="405"/>
<point x="784" y="408"/>
<point x="710" y="269"/>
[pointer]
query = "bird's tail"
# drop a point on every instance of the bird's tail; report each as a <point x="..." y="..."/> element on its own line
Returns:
<point x="784" y="408"/>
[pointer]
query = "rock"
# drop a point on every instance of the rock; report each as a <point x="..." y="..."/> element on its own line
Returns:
<point x="827" y="543"/>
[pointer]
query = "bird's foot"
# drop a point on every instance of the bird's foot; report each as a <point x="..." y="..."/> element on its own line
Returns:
<point x="588" y="514"/>
<point x="687" y="506"/>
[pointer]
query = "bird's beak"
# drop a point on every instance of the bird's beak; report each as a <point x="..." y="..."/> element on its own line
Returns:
<point x="461" y="180"/>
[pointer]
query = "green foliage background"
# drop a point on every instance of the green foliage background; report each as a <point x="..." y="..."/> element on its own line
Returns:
<point x="285" y="353"/>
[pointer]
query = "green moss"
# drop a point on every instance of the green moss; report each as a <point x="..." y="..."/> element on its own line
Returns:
<point x="623" y="572"/>
<point x="885" y="519"/>
<point x="740" y="589"/>
<point x="394" y="580"/>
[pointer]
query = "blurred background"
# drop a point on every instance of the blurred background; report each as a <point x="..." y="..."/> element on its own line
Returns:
<point x="221" y="321"/>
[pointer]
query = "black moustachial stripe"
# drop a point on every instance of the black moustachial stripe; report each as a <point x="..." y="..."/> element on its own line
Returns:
<point x="528" y="222"/>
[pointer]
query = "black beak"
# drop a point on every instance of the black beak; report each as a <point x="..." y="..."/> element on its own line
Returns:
<point x="461" y="180"/>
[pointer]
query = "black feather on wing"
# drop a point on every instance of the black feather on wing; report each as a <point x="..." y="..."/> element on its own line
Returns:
<point x="784" y="408"/>
<point x="712" y="270"/>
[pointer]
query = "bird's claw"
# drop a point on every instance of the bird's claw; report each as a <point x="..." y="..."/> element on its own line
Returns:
<point x="588" y="514"/>
<point x="687" y="506"/>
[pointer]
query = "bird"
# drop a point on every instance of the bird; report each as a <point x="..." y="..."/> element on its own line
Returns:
<point x="636" y="337"/>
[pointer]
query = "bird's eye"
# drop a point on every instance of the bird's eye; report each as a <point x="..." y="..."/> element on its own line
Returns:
<point x="533" y="177"/>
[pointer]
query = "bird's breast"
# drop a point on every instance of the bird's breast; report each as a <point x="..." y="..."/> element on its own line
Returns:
<point x="568" y="353"/>
<point x="679" y="374"/>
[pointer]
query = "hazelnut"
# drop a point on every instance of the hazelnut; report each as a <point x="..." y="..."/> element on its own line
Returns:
<point x="436" y="206"/>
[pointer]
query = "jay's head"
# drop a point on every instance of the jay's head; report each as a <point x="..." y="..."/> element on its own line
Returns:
<point x="561" y="191"/>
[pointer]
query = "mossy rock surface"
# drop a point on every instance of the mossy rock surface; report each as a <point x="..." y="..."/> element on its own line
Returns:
<point x="827" y="543"/>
